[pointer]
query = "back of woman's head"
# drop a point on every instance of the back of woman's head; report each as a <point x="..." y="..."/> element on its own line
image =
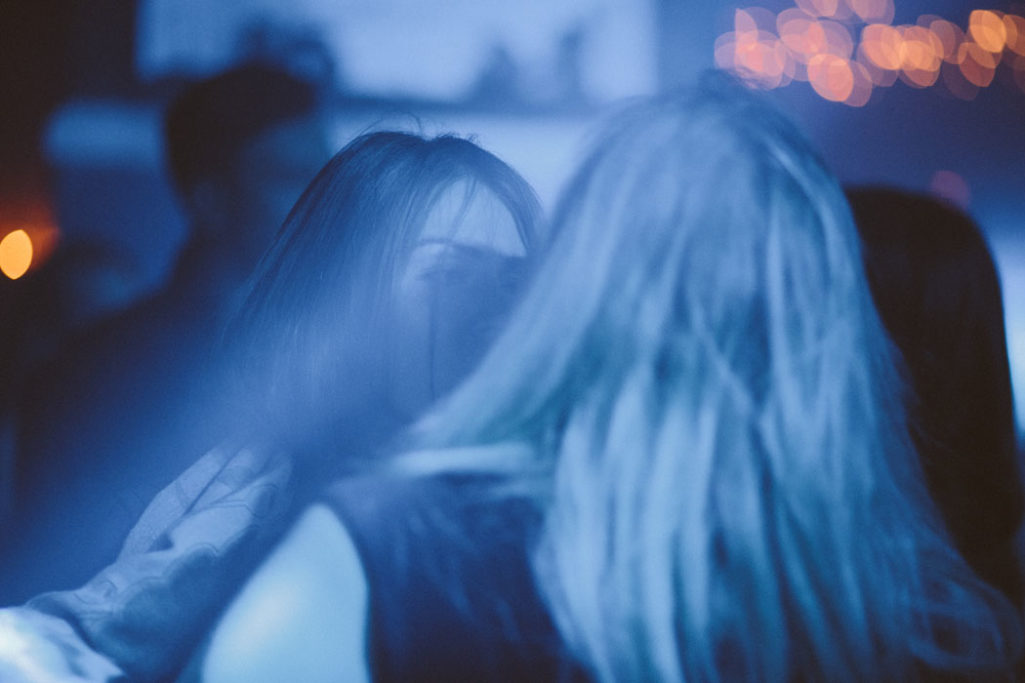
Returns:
<point x="311" y="326"/>
<point x="699" y="364"/>
<point x="938" y="293"/>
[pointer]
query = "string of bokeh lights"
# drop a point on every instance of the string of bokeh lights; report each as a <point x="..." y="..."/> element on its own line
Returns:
<point x="847" y="48"/>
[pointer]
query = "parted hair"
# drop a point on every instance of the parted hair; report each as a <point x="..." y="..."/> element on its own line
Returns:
<point x="307" y="323"/>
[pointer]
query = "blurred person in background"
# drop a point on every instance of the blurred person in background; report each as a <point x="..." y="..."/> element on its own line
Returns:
<point x="937" y="290"/>
<point x="90" y="281"/>
<point x="382" y="290"/>
<point x="127" y="405"/>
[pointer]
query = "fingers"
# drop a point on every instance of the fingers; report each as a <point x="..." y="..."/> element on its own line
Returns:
<point x="238" y="517"/>
<point x="193" y="481"/>
<point x="218" y="474"/>
<point x="264" y="496"/>
<point x="168" y="506"/>
<point x="244" y="468"/>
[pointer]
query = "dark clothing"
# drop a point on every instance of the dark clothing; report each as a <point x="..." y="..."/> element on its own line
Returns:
<point x="451" y="591"/>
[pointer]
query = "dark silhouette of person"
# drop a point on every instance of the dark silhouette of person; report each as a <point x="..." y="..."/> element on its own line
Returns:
<point x="936" y="288"/>
<point x="128" y="405"/>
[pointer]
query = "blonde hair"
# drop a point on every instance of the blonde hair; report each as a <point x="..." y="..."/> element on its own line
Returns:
<point x="714" y="420"/>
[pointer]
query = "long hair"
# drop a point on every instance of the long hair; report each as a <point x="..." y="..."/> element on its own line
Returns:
<point x="936" y="287"/>
<point x="713" y="425"/>
<point x="308" y="323"/>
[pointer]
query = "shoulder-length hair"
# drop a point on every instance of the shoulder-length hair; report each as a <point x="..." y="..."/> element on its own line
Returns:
<point x="308" y="324"/>
<point x="727" y="486"/>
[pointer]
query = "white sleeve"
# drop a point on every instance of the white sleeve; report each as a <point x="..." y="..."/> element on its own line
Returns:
<point x="40" y="648"/>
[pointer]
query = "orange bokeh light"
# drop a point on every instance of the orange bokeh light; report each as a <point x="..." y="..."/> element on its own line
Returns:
<point x="919" y="78"/>
<point x="922" y="49"/>
<point x="950" y="36"/>
<point x="987" y="29"/>
<point x="838" y="39"/>
<point x="803" y="36"/>
<point x="815" y="44"/>
<point x="15" y="254"/>
<point x="819" y="8"/>
<point x="753" y="52"/>
<point x="958" y="86"/>
<point x="883" y="46"/>
<point x="725" y="49"/>
<point x="873" y="11"/>
<point x="29" y="212"/>
<point x="921" y="53"/>
<point x="1014" y="25"/>
<point x="882" y="78"/>
<point x="969" y="50"/>
<point x="861" y="89"/>
<point x="831" y="77"/>
<point x="753" y="19"/>
<point x="763" y="62"/>
<point x="757" y="56"/>
<point x="977" y="64"/>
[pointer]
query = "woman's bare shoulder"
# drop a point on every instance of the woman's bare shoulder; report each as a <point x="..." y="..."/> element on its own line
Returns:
<point x="301" y="616"/>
